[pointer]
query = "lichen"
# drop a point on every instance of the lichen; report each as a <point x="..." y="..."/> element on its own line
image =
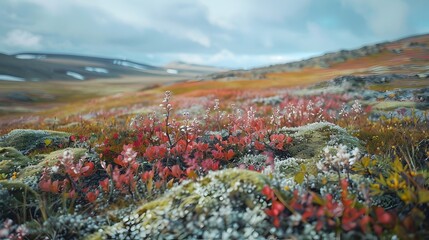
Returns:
<point x="309" y="140"/>
<point x="223" y="204"/>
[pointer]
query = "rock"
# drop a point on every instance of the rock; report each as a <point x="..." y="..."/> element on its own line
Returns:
<point x="208" y="208"/>
<point x="400" y="113"/>
<point x="397" y="50"/>
<point x="309" y="140"/>
<point x="423" y="75"/>
<point x="307" y="147"/>
<point x="415" y="44"/>
<point x="392" y="105"/>
<point x="48" y="160"/>
<point x="27" y="140"/>
<point x="11" y="160"/>
<point x="351" y="82"/>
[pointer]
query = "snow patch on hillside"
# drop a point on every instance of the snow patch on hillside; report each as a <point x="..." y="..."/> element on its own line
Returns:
<point x="96" y="69"/>
<point x="75" y="75"/>
<point x="11" y="78"/>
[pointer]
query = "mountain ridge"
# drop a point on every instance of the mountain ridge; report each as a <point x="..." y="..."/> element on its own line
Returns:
<point x="31" y="66"/>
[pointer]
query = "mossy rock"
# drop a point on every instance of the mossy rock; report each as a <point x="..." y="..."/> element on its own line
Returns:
<point x="309" y="140"/>
<point x="27" y="140"/>
<point x="392" y="105"/>
<point x="11" y="160"/>
<point x="202" y="209"/>
<point x="49" y="160"/>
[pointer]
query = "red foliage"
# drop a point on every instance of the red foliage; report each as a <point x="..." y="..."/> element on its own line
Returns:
<point x="155" y="153"/>
<point x="92" y="196"/>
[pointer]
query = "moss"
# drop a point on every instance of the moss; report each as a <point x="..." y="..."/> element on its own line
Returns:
<point x="191" y="198"/>
<point x="11" y="160"/>
<point x="392" y="105"/>
<point x="309" y="140"/>
<point x="185" y="192"/>
<point x="27" y="140"/>
<point x="48" y="160"/>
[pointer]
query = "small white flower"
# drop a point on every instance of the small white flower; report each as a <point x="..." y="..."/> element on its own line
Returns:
<point x="320" y="165"/>
<point x="54" y="169"/>
<point x="68" y="155"/>
<point x="326" y="150"/>
<point x="356" y="152"/>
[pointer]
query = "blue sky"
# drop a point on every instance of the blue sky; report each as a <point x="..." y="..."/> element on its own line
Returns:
<point x="227" y="33"/>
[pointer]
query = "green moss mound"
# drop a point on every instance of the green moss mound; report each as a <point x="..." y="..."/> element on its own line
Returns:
<point x="224" y="204"/>
<point x="11" y="160"/>
<point x="309" y="140"/>
<point x="49" y="160"/>
<point x="27" y="140"/>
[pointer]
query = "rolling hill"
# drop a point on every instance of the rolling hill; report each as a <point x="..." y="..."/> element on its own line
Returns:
<point x="407" y="55"/>
<point x="31" y="82"/>
<point x="43" y="67"/>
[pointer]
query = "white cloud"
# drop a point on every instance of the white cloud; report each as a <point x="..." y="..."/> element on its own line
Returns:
<point x="22" y="39"/>
<point x="242" y="15"/>
<point x="162" y="16"/>
<point x="221" y="32"/>
<point x="383" y="17"/>
<point x="155" y="16"/>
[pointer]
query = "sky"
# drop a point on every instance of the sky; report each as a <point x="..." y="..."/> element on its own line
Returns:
<point x="224" y="33"/>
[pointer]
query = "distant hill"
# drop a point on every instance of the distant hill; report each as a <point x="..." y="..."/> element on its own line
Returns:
<point x="409" y="54"/>
<point x="44" y="67"/>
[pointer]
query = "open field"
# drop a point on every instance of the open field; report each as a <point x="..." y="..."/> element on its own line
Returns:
<point x="338" y="152"/>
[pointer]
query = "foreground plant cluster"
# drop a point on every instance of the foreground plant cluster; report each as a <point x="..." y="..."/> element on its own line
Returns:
<point x="227" y="166"/>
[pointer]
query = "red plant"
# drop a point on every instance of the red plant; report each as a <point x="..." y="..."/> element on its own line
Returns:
<point x="330" y="214"/>
<point x="155" y="153"/>
<point x="148" y="175"/>
<point x="176" y="171"/>
<point x="105" y="185"/>
<point x="92" y="196"/>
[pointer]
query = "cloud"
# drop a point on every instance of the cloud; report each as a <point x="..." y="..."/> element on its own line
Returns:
<point x="162" y="16"/>
<point x="384" y="17"/>
<point x="243" y="15"/>
<point x="240" y="32"/>
<point x="23" y="39"/>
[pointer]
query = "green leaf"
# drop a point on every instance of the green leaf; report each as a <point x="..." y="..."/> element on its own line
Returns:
<point x="423" y="196"/>
<point x="318" y="200"/>
<point x="48" y="142"/>
<point x="299" y="177"/>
